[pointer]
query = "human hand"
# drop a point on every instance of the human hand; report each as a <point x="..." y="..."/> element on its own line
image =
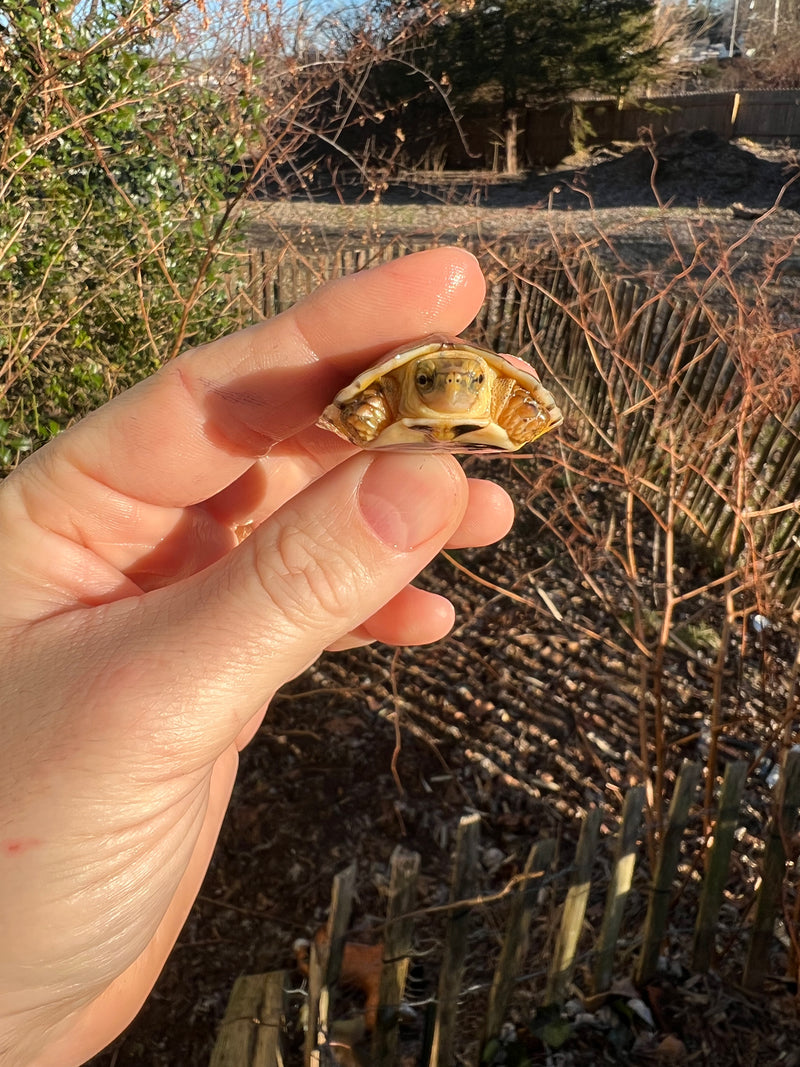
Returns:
<point x="142" y="642"/>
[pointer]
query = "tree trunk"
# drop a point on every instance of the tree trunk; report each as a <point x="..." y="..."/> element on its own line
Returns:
<point x="512" y="134"/>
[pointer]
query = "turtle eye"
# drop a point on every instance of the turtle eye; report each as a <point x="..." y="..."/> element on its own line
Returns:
<point x="480" y="379"/>
<point x="423" y="379"/>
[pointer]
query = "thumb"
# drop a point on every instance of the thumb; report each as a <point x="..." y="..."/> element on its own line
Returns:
<point x="317" y="569"/>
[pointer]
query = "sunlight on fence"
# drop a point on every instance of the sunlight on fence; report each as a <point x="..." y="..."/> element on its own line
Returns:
<point x="664" y="380"/>
<point x="254" y="1031"/>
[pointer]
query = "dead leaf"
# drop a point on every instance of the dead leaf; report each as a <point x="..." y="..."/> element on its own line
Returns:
<point x="671" y="1050"/>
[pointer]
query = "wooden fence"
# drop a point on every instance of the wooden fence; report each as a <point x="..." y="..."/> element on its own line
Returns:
<point x="253" y="1032"/>
<point x="656" y="382"/>
<point x="760" y="115"/>
<point x="757" y="114"/>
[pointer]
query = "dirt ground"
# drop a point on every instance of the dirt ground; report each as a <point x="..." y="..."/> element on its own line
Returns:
<point x="694" y="176"/>
<point x="526" y="714"/>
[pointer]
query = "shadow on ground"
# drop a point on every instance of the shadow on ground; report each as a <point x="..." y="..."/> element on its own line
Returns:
<point x="682" y="170"/>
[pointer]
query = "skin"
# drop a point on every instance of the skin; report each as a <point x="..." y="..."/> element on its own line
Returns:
<point x="141" y="643"/>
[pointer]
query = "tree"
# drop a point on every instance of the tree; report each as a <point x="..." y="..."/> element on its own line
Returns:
<point x="518" y="53"/>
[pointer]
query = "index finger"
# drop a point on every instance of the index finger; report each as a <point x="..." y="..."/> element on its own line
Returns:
<point x="195" y="426"/>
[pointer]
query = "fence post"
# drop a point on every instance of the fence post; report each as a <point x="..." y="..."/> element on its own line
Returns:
<point x="562" y="965"/>
<point x="619" y="887"/>
<point x="250" y="1034"/>
<point x="324" y="962"/>
<point x="455" y="942"/>
<point x="397" y="944"/>
<point x="718" y="865"/>
<point x="515" y="941"/>
<point x="769" y="893"/>
<point x="658" y="908"/>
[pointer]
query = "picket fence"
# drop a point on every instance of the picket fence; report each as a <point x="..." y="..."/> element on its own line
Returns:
<point x="254" y="1031"/>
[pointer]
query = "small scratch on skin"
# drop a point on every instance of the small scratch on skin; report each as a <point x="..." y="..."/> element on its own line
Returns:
<point x="16" y="846"/>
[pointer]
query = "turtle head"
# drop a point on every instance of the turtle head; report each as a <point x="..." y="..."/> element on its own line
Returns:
<point x="449" y="384"/>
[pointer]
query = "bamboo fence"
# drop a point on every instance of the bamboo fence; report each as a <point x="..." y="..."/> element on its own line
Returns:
<point x="654" y="380"/>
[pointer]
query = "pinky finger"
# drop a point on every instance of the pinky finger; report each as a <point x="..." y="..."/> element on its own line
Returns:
<point x="413" y="617"/>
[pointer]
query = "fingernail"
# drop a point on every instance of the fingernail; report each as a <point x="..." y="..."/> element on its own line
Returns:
<point x="407" y="498"/>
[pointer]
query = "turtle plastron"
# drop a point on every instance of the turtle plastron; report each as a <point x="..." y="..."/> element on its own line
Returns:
<point x="520" y="414"/>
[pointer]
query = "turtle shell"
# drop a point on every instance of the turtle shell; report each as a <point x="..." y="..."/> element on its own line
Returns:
<point x="443" y="394"/>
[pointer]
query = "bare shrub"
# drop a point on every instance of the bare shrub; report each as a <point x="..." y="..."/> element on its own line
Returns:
<point x="674" y="490"/>
<point x="132" y="134"/>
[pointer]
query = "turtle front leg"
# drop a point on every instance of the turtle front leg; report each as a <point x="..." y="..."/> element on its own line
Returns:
<point x="367" y="416"/>
<point x="518" y="411"/>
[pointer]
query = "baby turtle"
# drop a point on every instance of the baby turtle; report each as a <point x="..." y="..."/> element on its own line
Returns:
<point x="443" y="394"/>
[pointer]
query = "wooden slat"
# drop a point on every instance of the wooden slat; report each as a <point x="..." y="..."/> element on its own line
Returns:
<point x="397" y="946"/>
<point x="718" y="865"/>
<point x="462" y="888"/>
<point x="517" y="932"/>
<point x="658" y="909"/>
<point x="250" y="1033"/>
<point x="325" y="961"/>
<point x="342" y="893"/>
<point x="774" y="871"/>
<point x="562" y="965"/>
<point x="619" y="887"/>
<point x="316" y="1006"/>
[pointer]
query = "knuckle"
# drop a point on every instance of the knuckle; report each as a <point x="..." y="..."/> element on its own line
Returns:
<point x="310" y="585"/>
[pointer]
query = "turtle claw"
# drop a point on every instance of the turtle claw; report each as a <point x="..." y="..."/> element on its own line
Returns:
<point x="366" y="417"/>
<point x="523" y="417"/>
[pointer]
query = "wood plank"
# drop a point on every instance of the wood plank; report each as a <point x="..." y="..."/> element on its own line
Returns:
<point x="768" y="903"/>
<point x="342" y="893"/>
<point x="718" y="865"/>
<point x="516" y="937"/>
<point x="316" y="1007"/>
<point x="324" y="962"/>
<point x="619" y="887"/>
<point x="669" y="855"/>
<point x="562" y="965"/>
<point x="251" y="1031"/>
<point x="397" y="947"/>
<point x="462" y="888"/>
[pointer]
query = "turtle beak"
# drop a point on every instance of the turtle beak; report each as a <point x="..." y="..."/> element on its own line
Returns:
<point x="449" y="386"/>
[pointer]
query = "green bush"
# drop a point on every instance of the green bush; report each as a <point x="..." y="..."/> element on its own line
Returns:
<point x="115" y="197"/>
